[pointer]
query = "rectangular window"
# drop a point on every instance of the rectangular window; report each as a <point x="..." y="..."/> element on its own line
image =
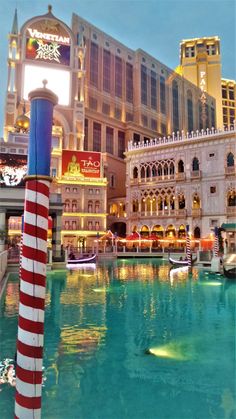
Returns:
<point x="211" y="49"/>
<point x="189" y="52"/>
<point x="154" y="124"/>
<point x="213" y="189"/>
<point x="93" y="103"/>
<point x="86" y="134"/>
<point x="162" y="95"/>
<point x="128" y="116"/>
<point x="118" y="77"/>
<point x="224" y="93"/>
<point x="136" y="138"/>
<point x="106" y="71"/>
<point x="106" y="108"/>
<point x="109" y="140"/>
<point x="54" y="172"/>
<point x="143" y="84"/>
<point x="121" y="144"/>
<point x="163" y="129"/>
<point x="153" y="90"/>
<point x="96" y="136"/>
<point x="175" y="105"/>
<point x="231" y="94"/>
<point x="94" y="64"/>
<point x="129" y="82"/>
<point x="145" y="120"/>
<point x="118" y="113"/>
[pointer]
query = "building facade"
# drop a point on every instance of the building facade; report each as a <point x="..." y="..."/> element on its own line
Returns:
<point x="109" y="95"/>
<point x="200" y="63"/>
<point x="185" y="180"/>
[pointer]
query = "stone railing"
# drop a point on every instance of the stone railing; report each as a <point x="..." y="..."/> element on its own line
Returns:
<point x="182" y="136"/>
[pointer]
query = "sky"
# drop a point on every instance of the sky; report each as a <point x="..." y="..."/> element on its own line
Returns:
<point x="156" y="26"/>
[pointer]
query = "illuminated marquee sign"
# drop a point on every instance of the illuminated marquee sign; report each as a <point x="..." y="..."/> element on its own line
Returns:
<point x="13" y="168"/>
<point x="81" y="164"/>
<point x="203" y="94"/>
<point x="48" y="41"/>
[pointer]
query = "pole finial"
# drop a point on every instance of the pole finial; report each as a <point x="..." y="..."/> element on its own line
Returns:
<point x="49" y="8"/>
<point x="45" y="82"/>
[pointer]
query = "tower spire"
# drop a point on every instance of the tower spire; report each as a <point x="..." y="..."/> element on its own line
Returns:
<point x="14" y="30"/>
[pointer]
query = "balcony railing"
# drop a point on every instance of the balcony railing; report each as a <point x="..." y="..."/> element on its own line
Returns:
<point x="160" y="213"/>
<point x="231" y="211"/>
<point x="182" y="137"/>
<point x="196" y="212"/>
<point x="180" y="176"/>
<point x="230" y="170"/>
<point x="195" y="174"/>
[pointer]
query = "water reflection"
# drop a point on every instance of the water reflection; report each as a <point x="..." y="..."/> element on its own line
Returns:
<point x="98" y="323"/>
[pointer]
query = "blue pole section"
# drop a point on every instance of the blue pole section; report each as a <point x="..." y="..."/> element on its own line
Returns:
<point x="41" y="113"/>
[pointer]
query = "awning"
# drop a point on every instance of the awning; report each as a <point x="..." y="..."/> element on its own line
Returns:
<point x="229" y="227"/>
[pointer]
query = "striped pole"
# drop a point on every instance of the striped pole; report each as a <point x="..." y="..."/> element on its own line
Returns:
<point x="21" y="243"/>
<point x="216" y="243"/>
<point x="188" y="247"/>
<point x="34" y="253"/>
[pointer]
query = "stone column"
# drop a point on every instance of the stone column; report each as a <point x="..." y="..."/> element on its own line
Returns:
<point x="3" y="229"/>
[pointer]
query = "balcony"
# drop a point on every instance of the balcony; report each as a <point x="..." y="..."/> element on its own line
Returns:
<point x="230" y="170"/>
<point x="180" y="176"/>
<point x="196" y="212"/>
<point x="196" y="174"/>
<point x="231" y="211"/>
<point x="181" y="213"/>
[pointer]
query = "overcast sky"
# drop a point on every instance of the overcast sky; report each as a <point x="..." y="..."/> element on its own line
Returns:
<point x="156" y="26"/>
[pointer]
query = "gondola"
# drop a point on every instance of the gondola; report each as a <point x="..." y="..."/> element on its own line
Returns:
<point x="85" y="258"/>
<point x="229" y="266"/>
<point x="178" y="262"/>
<point x="230" y="273"/>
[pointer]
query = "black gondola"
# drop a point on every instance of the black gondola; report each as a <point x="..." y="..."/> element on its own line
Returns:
<point x="179" y="262"/>
<point x="85" y="258"/>
<point x="230" y="273"/>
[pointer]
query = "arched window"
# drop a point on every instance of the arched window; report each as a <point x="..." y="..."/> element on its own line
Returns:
<point x="143" y="204"/>
<point x="159" y="203"/>
<point x="197" y="233"/>
<point x="135" y="173"/>
<point x="90" y="206"/>
<point x="190" y="110"/>
<point x="231" y="199"/>
<point x="97" y="206"/>
<point x="154" y="204"/>
<point x="170" y="231"/>
<point x="172" y="168"/>
<point x="67" y="205"/>
<point x="196" y="204"/>
<point x="172" y="202"/>
<point x="195" y="164"/>
<point x="135" y="205"/>
<point x="148" y="173"/>
<point x="175" y="104"/>
<point x="181" y="200"/>
<point x="165" y="169"/>
<point x="74" y="205"/>
<point x="148" y="206"/>
<point x="158" y="231"/>
<point x="142" y="173"/>
<point x="182" y="231"/>
<point x="230" y="160"/>
<point x="159" y="170"/>
<point x="180" y="166"/>
<point x="154" y="171"/>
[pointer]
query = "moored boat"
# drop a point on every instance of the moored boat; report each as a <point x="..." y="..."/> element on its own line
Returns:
<point x="229" y="266"/>
<point x="180" y="262"/>
<point x="84" y="258"/>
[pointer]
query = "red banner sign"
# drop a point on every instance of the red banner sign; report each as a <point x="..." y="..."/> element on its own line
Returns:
<point x="80" y="164"/>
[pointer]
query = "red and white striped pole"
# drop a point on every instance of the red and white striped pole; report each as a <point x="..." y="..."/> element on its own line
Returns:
<point x="34" y="257"/>
<point x="188" y="247"/>
<point x="216" y="244"/>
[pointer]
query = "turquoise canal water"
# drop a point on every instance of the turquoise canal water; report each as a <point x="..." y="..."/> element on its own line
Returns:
<point x="99" y="322"/>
